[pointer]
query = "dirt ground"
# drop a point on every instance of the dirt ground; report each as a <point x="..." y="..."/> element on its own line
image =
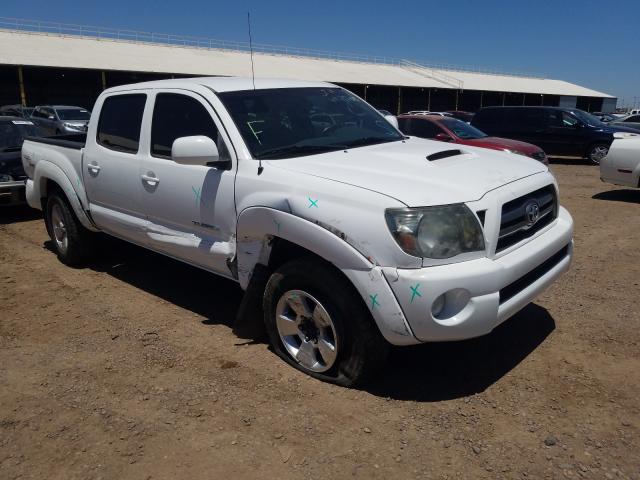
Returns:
<point x="129" y="369"/>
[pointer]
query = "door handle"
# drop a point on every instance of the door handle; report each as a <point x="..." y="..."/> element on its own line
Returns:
<point x="150" y="179"/>
<point x="93" y="168"/>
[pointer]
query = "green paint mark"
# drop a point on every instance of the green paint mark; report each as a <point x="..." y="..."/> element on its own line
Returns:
<point x="374" y="301"/>
<point x="313" y="203"/>
<point x="277" y="224"/>
<point x="197" y="193"/>
<point x="414" y="292"/>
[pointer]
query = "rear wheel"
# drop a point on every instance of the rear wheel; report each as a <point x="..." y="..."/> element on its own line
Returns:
<point x="317" y="323"/>
<point x="71" y="241"/>
<point x="597" y="152"/>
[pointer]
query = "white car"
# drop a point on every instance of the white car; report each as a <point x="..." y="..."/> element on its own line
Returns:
<point x="621" y="166"/>
<point x="348" y="234"/>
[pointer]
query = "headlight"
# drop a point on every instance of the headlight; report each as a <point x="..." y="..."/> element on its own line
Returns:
<point x="72" y="126"/>
<point x="436" y="232"/>
<point x="5" y="178"/>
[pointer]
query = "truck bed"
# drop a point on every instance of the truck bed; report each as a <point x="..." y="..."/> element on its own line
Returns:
<point x="76" y="141"/>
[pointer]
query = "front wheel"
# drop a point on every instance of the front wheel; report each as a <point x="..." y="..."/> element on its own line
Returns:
<point x="597" y="152"/>
<point x="317" y="323"/>
<point x="71" y="241"/>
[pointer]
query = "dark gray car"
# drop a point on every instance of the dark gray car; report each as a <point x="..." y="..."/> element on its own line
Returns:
<point x="61" y="119"/>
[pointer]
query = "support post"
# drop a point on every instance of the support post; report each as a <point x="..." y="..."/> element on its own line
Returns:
<point x="23" y="95"/>
<point x="457" y="92"/>
<point x="399" y="99"/>
<point x="481" y="95"/>
<point x="504" y="96"/>
<point x="104" y="80"/>
<point x="429" y="101"/>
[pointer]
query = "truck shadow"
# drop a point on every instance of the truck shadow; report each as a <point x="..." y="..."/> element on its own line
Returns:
<point x="619" y="195"/>
<point x="18" y="214"/>
<point x="443" y="371"/>
<point x="427" y="373"/>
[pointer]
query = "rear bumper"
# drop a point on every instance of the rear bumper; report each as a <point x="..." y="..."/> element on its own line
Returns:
<point x="12" y="193"/>
<point x="481" y="294"/>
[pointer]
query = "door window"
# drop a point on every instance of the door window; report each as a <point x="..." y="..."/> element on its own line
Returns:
<point x="560" y="119"/>
<point x="120" y="122"/>
<point x="424" y="128"/>
<point x="529" y="119"/>
<point x="176" y="116"/>
<point x="635" y="118"/>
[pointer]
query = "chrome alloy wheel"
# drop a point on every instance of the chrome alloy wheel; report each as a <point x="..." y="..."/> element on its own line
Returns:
<point x="598" y="153"/>
<point x="59" y="228"/>
<point x="307" y="331"/>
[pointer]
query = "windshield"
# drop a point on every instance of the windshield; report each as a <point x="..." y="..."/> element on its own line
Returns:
<point x="73" y="114"/>
<point x="588" y="118"/>
<point x="12" y="133"/>
<point x="288" y="122"/>
<point x="462" y="129"/>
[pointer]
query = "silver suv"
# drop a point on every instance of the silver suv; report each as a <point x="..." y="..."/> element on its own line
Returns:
<point x="61" y="119"/>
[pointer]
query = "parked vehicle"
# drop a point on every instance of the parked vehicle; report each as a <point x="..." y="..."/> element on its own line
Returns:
<point x="16" y="111"/>
<point x="61" y="119"/>
<point x="558" y="131"/>
<point x="447" y="129"/>
<point x="630" y="121"/>
<point x="12" y="175"/>
<point x="461" y="115"/>
<point x="427" y="112"/>
<point x="605" y="117"/>
<point x="622" y="165"/>
<point x="350" y="237"/>
<point x="634" y="111"/>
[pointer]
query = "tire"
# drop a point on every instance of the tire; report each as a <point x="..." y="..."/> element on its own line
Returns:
<point x="336" y="316"/>
<point x="597" y="152"/>
<point x="72" y="243"/>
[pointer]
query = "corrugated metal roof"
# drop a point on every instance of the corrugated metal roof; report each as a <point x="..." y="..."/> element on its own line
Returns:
<point x="39" y="49"/>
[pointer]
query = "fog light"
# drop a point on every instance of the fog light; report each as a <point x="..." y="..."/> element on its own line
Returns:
<point x="437" y="306"/>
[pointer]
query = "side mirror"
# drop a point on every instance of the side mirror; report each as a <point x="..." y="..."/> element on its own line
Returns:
<point x="196" y="150"/>
<point x="392" y="120"/>
<point x="443" y="137"/>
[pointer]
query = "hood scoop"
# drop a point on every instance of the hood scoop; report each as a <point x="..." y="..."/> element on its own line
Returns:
<point x="444" y="154"/>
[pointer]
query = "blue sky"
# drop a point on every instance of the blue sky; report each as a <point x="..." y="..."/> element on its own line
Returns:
<point x="592" y="43"/>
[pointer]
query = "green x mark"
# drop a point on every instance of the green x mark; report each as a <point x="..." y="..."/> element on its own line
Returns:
<point x="414" y="292"/>
<point x="196" y="192"/>
<point x="277" y="224"/>
<point x="374" y="301"/>
<point x="313" y="203"/>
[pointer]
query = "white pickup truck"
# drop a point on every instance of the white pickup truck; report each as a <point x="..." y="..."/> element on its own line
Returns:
<point x="351" y="235"/>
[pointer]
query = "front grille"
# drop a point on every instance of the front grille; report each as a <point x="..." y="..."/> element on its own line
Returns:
<point x="515" y="223"/>
<point x="527" y="279"/>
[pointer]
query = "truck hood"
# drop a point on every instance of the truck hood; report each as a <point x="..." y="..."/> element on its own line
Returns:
<point x="401" y="170"/>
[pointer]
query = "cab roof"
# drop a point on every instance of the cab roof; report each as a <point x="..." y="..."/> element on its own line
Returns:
<point x="223" y="84"/>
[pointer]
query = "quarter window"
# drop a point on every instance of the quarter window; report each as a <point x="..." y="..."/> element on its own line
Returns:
<point x="120" y="122"/>
<point x="176" y="116"/>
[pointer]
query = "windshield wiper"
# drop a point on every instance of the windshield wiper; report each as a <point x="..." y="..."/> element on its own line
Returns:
<point x="364" y="141"/>
<point x="292" y="150"/>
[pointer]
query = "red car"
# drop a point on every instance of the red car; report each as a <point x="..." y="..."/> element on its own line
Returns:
<point x="448" y="129"/>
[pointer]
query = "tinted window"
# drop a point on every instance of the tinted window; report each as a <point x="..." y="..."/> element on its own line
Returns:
<point x="176" y="116"/>
<point x="424" y="128"/>
<point x="12" y="133"/>
<point x="73" y="114"/>
<point x="38" y="114"/>
<point x="528" y="118"/>
<point x="120" y="122"/>
<point x="462" y="129"/>
<point x="560" y="119"/>
<point x="489" y="116"/>
<point x="635" y="118"/>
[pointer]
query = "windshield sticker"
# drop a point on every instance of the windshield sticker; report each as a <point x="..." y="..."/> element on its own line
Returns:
<point x="21" y="122"/>
<point x="313" y="203"/>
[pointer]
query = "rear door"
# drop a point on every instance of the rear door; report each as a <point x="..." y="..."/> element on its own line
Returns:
<point x="565" y="135"/>
<point x="528" y="124"/>
<point x="191" y="208"/>
<point x="111" y="167"/>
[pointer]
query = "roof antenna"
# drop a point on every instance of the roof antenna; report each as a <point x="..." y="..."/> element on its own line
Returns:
<point x="253" y="75"/>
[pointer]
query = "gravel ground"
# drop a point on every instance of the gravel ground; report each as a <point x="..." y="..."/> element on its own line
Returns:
<point x="129" y="369"/>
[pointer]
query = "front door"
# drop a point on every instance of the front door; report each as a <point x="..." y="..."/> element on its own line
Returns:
<point x="111" y="167"/>
<point x="566" y="135"/>
<point x="190" y="208"/>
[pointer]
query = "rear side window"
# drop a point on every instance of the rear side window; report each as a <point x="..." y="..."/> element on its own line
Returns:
<point x="424" y="128"/>
<point x="491" y="117"/>
<point x="176" y="116"/>
<point x="528" y="118"/>
<point x="120" y="122"/>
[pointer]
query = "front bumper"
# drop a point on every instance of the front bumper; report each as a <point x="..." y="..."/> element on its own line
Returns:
<point x="485" y="292"/>
<point x="12" y="193"/>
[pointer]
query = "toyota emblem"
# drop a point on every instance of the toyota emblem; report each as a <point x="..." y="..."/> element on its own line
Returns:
<point x="532" y="212"/>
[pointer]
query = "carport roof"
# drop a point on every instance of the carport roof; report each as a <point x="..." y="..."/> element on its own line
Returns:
<point x="52" y="50"/>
